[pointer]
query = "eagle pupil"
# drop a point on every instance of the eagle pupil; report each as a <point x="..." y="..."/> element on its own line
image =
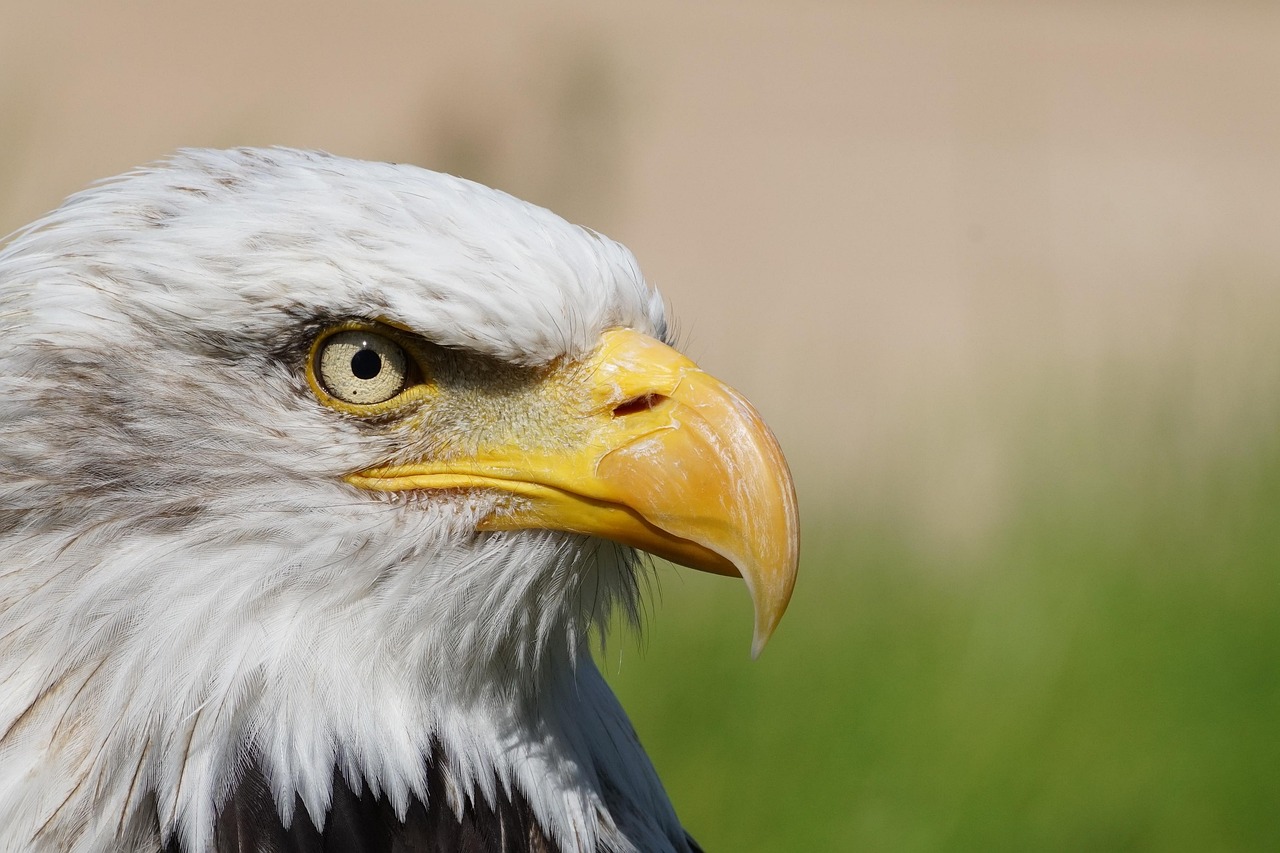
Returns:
<point x="366" y="364"/>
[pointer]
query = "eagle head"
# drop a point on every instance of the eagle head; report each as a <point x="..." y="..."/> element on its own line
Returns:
<point x="316" y="476"/>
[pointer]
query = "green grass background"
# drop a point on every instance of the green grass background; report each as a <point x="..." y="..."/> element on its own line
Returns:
<point x="1101" y="674"/>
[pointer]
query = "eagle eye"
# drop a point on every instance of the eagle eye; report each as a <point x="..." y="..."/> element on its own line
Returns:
<point x="361" y="367"/>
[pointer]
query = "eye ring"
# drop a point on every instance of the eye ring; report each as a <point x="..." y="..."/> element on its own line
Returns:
<point x="360" y="367"/>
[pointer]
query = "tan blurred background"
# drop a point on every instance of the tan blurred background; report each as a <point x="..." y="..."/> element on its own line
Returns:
<point x="888" y="223"/>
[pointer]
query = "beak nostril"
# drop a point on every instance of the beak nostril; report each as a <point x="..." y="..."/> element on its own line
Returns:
<point x="643" y="403"/>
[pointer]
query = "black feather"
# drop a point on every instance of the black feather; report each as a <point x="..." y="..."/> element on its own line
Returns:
<point x="249" y="822"/>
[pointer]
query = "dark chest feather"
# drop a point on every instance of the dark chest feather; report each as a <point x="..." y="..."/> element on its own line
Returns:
<point x="362" y="823"/>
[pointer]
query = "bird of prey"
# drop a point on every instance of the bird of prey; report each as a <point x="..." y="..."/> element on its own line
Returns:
<point x="316" y="477"/>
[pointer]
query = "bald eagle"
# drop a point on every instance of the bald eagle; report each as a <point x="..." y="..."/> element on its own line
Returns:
<point x="316" y="476"/>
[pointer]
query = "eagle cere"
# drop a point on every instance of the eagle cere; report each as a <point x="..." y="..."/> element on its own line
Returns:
<point x="316" y="476"/>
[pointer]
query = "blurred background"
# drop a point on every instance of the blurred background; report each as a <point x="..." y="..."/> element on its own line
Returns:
<point x="1005" y="278"/>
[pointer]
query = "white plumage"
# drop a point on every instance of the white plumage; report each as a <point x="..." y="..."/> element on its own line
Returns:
<point x="188" y="585"/>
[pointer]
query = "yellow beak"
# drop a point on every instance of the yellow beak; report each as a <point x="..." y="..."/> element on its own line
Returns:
<point x="669" y="460"/>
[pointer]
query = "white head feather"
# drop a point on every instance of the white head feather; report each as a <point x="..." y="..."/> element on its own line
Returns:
<point x="186" y="580"/>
